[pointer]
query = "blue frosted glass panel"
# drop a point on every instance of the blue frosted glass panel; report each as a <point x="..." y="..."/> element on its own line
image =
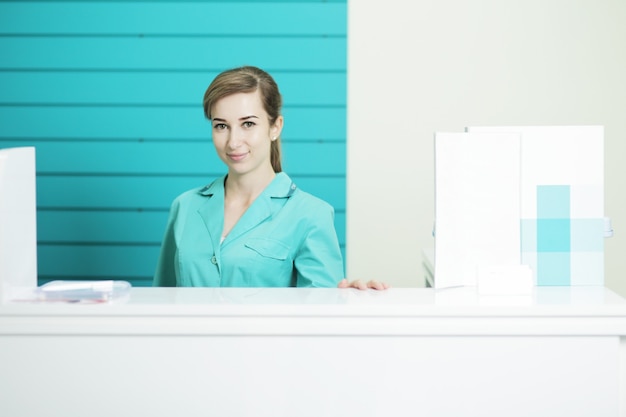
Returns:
<point x="587" y="235"/>
<point x="553" y="268"/>
<point x="553" y="201"/>
<point x="553" y="235"/>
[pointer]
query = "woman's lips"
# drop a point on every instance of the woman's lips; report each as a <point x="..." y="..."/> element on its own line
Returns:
<point x="237" y="156"/>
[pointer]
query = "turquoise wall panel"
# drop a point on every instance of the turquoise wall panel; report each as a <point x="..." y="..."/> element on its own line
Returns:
<point x="96" y="122"/>
<point x="327" y="89"/>
<point x="172" y="53"/>
<point x="151" y="192"/>
<point x="110" y="95"/>
<point x="112" y="227"/>
<point x="180" y="18"/>
<point x="166" y="157"/>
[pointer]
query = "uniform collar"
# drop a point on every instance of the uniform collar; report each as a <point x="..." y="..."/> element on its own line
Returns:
<point x="281" y="187"/>
<point x="214" y="187"/>
<point x="266" y="204"/>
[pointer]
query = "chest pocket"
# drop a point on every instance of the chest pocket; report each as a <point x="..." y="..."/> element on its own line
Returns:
<point x="269" y="248"/>
<point x="269" y="264"/>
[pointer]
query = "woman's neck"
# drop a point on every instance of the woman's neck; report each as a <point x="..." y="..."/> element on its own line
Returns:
<point x="246" y="188"/>
<point x="240" y="191"/>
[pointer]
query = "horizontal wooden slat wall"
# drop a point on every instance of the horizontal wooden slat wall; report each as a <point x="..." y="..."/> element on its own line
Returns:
<point x="110" y="94"/>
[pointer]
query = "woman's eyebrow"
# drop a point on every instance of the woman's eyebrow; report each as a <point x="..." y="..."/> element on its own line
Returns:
<point x="219" y="119"/>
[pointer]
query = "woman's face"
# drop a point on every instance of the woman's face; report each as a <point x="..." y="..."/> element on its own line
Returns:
<point x="242" y="134"/>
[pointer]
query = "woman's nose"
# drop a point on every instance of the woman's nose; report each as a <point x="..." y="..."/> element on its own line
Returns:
<point x="235" y="140"/>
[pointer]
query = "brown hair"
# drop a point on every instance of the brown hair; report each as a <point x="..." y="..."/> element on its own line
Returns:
<point x="248" y="79"/>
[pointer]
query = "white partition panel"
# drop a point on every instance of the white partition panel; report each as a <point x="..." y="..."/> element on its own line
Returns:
<point x="477" y="204"/>
<point x="18" y="221"/>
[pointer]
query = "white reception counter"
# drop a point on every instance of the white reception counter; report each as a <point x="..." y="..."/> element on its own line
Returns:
<point x="317" y="352"/>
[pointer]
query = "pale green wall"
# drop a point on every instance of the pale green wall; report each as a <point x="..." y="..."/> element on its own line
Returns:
<point x="444" y="65"/>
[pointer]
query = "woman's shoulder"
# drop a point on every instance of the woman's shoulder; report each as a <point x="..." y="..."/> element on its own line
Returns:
<point x="200" y="193"/>
<point x="304" y="197"/>
<point x="309" y="202"/>
<point x="283" y="187"/>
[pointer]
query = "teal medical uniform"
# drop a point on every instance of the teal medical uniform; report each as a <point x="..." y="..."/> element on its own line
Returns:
<point x="285" y="238"/>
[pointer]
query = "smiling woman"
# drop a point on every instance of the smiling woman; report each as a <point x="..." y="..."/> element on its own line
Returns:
<point x="252" y="227"/>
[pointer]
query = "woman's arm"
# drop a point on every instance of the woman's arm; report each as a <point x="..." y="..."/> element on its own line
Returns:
<point x="165" y="274"/>
<point x="319" y="263"/>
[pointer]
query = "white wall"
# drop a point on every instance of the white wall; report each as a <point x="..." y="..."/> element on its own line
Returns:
<point x="416" y="67"/>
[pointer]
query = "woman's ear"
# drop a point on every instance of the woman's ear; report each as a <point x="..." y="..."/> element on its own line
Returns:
<point x="277" y="127"/>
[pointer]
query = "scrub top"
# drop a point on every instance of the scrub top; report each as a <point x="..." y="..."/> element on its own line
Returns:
<point x="285" y="238"/>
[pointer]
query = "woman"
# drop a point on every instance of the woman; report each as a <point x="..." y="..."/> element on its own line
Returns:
<point x="252" y="227"/>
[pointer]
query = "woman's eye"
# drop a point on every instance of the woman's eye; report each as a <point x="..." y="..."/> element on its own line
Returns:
<point x="219" y="126"/>
<point x="248" y="124"/>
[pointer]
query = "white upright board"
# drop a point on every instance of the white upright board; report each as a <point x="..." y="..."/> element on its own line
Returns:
<point x="562" y="202"/>
<point x="18" y="221"/>
<point x="477" y="205"/>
